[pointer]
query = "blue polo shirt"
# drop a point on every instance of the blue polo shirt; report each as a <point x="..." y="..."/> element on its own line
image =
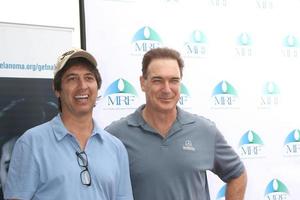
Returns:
<point x="175" y="167"/>
<point x="44" y="166"/>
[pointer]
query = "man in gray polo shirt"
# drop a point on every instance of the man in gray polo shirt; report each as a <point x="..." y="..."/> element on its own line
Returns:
<point x="169" y="149"/>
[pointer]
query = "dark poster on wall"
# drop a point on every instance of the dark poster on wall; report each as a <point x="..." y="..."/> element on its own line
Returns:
<point x="24" y="103"/>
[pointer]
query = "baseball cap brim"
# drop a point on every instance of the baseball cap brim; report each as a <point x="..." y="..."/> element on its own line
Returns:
<point x="73" y="53"/>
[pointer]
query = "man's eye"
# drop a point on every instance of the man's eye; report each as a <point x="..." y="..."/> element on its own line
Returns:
<point x="90" y="78"/>
<point x="175" y="81"/>
<point x="72" y="78"/>
<point x="156" y="80"/>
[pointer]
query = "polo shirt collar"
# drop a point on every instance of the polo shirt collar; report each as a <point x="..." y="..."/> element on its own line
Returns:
<point x="136" y="119"/>
<point x="60" y="130"/>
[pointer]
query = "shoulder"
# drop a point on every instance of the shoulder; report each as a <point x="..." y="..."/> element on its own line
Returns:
<point x="36" y="133"/>
<point x="123" y="123"/>
<point x="32" y="140"/>
<point x="107" y="137"/>
<point x="117" y="124"/>
<point x="132" y="120"/>
<point x="190" y="118"/>
<point x="198" y="125"/>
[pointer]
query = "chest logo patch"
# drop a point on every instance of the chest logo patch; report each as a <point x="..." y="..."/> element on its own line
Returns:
<point x="188" y="146"/>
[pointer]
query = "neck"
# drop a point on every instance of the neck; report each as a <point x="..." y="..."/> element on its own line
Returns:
<point x="160" y="121"/>
<point x="80" y="127"/>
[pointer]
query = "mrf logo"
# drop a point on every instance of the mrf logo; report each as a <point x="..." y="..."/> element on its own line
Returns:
<point x="224" y="95"/>
<point x="120" y="94"/>
<point x="196" y="45"/>
<point x="251" y="145"/>
<point x="270" y="95"/>
<point x="244" y="45"/>
<point x="264" y="4"/>
<point x="290" y="47"/>
<point x="292" y="143"/>
<point x="276" y="190"/>
<point x="144" y="40"/>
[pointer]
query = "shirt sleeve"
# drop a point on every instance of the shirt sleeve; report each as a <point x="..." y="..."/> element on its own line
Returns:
<point x="23" y="176"/>
<point x="124" y="187"/>
<point x="227" y="164"/>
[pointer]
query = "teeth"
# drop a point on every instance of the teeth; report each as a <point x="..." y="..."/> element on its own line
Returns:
<point x="81" y="96"/>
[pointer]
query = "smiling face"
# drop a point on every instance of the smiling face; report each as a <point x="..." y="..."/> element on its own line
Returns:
<point x="162" y="85"/>
<point x="78" y="92"/>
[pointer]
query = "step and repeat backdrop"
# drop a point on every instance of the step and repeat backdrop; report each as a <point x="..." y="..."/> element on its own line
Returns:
<point x="242" y="61"/>
<point x="28" y="55"/>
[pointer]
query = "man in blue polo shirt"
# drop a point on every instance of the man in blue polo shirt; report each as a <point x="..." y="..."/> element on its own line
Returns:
<point x="169" y="149"/>
<point x="70" y="157"/>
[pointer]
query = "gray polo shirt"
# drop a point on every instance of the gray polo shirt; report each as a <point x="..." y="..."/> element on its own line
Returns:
<point x="174" y="168"/>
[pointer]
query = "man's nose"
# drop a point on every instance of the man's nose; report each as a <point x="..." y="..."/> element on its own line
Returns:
<point x="82" y="83"/>
<point x="166" y="86"/>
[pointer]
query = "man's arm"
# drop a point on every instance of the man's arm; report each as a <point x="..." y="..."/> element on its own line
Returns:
<point x="236" y="187"/>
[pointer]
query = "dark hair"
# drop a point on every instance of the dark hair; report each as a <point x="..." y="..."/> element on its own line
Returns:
<point x="157" y="53"/>
<point x="75" y="61"/>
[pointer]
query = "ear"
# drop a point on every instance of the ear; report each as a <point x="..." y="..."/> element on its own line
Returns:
<point x="57" y="93"/>
<point x="142" y="83"/>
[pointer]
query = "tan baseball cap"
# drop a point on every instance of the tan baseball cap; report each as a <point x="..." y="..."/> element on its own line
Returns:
<point x="73" y="53"/>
